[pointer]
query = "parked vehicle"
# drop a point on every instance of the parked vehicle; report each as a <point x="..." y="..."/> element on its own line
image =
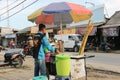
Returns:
<point x="106" y="47"/>
<point x="1" y="48"/>
<point x="71" y="41"/>
<point x="14" y="59"/>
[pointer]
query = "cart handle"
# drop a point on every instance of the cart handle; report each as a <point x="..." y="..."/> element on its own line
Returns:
<point x="84" y="57"/>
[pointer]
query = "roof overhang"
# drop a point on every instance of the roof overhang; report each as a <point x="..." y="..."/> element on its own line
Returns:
<point x="85" y="25"/>
<point x="110" y="26"/>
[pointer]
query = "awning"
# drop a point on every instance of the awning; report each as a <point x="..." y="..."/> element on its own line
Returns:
<point x="25" y="30"/>
<point x="110" y="26"/>
<point x="10" y="36"/>
<point x="32" y="29"/>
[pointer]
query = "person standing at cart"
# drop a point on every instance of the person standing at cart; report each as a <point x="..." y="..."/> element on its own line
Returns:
<point x="38" y="50"/>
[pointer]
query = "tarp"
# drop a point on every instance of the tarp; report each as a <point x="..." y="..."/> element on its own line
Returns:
<point x="110" y="32"/>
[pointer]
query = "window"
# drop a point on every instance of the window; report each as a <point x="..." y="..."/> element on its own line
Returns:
<point x="70" y="38"/>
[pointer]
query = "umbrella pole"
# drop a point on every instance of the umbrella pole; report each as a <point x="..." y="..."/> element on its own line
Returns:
<point x="61" y="32"/>
<point x="62" y="36"/>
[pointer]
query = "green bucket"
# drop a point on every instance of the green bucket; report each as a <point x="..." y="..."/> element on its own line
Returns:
<point x="63" y="65"/>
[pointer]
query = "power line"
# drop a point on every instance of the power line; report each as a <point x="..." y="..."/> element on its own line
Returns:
<point x="13" y="7"/>
<point x="19" y="10"/>
<point x="9" y="5"/>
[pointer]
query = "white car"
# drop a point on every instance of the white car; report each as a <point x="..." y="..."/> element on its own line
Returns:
<point x="71" y="41"/>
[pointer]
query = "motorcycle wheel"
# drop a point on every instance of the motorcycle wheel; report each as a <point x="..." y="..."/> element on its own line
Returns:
<point x="19" y="62"/>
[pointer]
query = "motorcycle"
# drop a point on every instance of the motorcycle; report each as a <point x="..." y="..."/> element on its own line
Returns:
<point x="14" y="59"/>
<point x="107" y="47"/>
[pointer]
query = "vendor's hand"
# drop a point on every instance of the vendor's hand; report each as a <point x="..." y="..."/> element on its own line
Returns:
<point x="57" y="51"/>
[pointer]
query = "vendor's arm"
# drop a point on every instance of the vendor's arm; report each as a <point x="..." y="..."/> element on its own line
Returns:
<point x="47" y="44"/>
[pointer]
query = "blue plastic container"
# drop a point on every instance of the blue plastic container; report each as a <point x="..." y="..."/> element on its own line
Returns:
<point x="40" y="78"/>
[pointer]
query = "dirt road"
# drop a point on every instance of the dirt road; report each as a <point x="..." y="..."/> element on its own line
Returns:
<point x="26" y="73"/>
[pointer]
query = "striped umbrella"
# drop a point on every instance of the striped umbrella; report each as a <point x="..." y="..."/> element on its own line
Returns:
<point x="60" y="13"/>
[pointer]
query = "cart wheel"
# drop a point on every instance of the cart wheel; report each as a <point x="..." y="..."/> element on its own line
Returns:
<point x="19" y="62"/>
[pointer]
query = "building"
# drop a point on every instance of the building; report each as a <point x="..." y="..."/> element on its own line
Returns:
<point x="6" y="34"/>
<point x="111" y="30"/>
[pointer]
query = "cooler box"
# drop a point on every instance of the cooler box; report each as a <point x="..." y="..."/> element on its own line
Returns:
<point x="62" y="65"/>
<point x="40" y="78"/>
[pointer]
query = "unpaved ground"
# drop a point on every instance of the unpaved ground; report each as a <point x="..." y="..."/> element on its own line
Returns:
<point x="26" y="73"/>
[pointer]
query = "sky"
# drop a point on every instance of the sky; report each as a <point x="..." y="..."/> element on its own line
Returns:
<point x="19" y="21"/>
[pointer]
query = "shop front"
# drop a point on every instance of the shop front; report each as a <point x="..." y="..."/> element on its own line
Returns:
<point x="22" y="35"/>
<point x="111" y="35"/>
<point x="9" y="39"/>
<point x="111" y="30"/>
<point x="92" y="35"/>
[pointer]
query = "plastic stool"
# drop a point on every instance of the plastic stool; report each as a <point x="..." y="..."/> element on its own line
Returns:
<point x="62" y="78"/>
<point x="40" y="78"/>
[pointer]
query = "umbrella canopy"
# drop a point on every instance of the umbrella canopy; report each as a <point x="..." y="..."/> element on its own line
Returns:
<point x="35" y="14"/>
<point x="61" y="12"/>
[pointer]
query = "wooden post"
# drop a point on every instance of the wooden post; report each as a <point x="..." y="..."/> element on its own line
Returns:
<point x="88" y="30"/>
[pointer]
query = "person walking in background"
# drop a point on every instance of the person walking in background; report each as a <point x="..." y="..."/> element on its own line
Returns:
<point x="30" y="41"/>
<point x="41" y="42"/>
<point x="12" y="44"/>
<point x="30" y="45"/>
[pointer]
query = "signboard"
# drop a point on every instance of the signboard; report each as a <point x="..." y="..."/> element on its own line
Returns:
<point x="110" y="32"/>
<point x="68" y="31"/>
<point x="82" y="30"/>
<point x="49" y="30"/>
<point x="6" y="31"/>
<point x="33" y="29"/>
<point x="77" y="69"/>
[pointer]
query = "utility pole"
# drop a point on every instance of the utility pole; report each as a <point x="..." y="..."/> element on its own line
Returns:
<point x="8" y="15"/>
<point x="0" y="19"/>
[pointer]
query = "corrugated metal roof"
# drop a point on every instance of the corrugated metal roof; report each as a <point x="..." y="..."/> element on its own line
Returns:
<point x="114" y="21"/>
